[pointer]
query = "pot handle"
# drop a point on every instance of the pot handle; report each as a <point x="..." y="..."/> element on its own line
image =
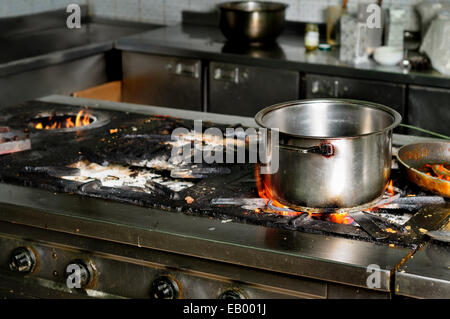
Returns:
<point x="325" y="149"/>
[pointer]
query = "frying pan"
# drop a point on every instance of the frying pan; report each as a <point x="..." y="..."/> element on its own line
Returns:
<point x="414" y="156"/>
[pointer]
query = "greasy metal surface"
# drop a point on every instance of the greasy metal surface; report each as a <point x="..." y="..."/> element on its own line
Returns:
<point x="323" y="257"/>
<point x="314" y="256"/>
<point x="84" y="73"/>
<point x="442" y="236"/>
<point x="398" y="139"/>
<point x="415" y="156"/>
<point x="128" y="271"/>
<point x="139" y="143"/>
<point x="207" y="42"/>
<point x="13" y="141"/>
<point x="427" y="274"/>
<point x="430" y="218"/>
<point x="34" y="47"/>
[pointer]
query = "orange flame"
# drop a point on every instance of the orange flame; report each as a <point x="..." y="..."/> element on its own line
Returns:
<point x="390" y="188"/>
<point x="265" y="191"/>
<point x="81" y="119"/>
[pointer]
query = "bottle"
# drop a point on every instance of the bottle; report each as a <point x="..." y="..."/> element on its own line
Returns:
<point x="311" y="37"/>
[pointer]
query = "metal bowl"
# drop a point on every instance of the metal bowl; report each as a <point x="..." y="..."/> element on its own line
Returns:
<point x="252" y="22"/>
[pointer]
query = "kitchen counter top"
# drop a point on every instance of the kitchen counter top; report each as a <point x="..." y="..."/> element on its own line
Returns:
<point x="207" y="42"/>
<point x="398" y="139"/>
<point x="427" y="274"/>
<point x="38" y="48"/>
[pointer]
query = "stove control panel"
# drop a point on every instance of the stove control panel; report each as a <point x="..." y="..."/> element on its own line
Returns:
<point x="22" y="260"/>
<point x="57" y="265"/>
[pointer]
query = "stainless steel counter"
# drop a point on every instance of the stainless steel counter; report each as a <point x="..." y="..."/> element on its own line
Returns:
<point x="426" y="274"/>
<point x="207" y="42"/>
<point x="41" y="56"/>
<point x="336" y="260"/>
<point x="39" y="48"/>
<point x="398" y="139"/>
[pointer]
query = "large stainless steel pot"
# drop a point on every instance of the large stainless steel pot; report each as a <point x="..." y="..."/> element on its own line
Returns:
<point x="333" y="153"/>
<point x="252" y="22"/>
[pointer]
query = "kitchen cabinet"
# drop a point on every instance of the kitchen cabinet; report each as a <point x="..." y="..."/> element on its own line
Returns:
<point x="110" y="91"/>
<point x="244" y="90"/>
<point x="162" y="81"/>
<point x="61" y="78"/>
<point x="429" y="108"/>
<point x="389" y="94"/>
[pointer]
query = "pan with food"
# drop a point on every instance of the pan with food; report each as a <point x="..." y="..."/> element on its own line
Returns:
<point x="428" y="165"/>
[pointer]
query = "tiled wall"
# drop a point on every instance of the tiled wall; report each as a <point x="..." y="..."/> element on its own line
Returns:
<point x="169" y="11"/>
<point x="9" y="8"/>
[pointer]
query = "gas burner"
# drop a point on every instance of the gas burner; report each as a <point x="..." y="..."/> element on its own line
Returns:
<point x="58" y="121"/>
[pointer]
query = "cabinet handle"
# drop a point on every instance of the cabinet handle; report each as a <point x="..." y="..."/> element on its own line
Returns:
<point x="315" y="87"/>
<point x="229" y="75"/>
<point x="336" y="88"/>
<point x="185" y="69"/>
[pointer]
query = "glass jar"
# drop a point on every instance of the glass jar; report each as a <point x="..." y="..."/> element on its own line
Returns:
<point x="311" y="37"/>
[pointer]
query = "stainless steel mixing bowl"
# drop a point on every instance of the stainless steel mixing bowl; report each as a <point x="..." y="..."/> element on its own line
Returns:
<point x="252" y="22"/>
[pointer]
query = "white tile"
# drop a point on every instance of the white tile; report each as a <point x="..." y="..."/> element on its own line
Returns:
<point x="312" y="10"/>
<point x="103" y="8"/>
<point x="128" y="9"/>
<point x="152" y="11"/>
<point x="64" y="3"/>
<point x="42" y="5"/>
<point x="18" y="7"/>
<point x="334" y="2"/>
<point x="292" y="12"/>
<point x="203" y="5"/>
<point x="173" y="9"/>
<point x="2" y="8"/>
<point x="412" y="20"/>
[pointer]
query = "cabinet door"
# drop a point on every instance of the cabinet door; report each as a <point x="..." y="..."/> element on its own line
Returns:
<point x="429" y="108"/>
<point x="244" y="90"/>
<point x="162" y="81"/>
<point x="389" y="94"/>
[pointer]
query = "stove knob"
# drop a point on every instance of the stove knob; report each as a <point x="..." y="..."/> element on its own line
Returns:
<point x="233" y="293"/>
<point x="22" y="260"/>
<point x="79" y="274"/>
<point x="165" y="287"/>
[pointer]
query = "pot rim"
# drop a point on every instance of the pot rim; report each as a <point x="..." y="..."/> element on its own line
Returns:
<point x="272" y="6"/>
<point x="397" y="118"/>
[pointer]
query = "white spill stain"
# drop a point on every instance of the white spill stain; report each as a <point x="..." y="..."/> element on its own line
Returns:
<point x="119" y="176"/>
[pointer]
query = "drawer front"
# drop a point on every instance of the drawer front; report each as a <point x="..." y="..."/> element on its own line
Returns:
<point x="389" y="94"/>
<point x="244" y="90"/>
<point x="429" y="108"/>
<point x="162" y="81"/>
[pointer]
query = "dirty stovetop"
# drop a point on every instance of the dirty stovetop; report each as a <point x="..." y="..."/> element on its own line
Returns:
<point x="128" y="159"/>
